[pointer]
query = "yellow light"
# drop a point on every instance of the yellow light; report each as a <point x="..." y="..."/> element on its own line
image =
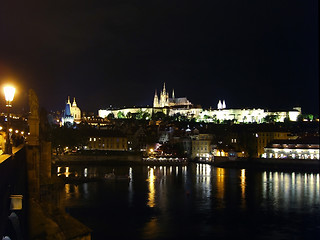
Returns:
<point x="10" y="130"/>
<point x="151" y="150"/>
<point x="0" y="127"/>
<point x="16" y="131"/>
<point x="22" y="132"/>
<point x="151" y="194"/>
<point x="9" y="93"/>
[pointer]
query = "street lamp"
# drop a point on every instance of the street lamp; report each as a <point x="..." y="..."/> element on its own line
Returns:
<point x="9" y="95"/>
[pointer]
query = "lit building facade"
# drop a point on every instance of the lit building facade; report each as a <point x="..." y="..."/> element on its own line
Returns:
<point x="182" y="106"/>
<point x="202" y="146"/>
<point x="111" y="143"/>
<point x="264" y="138"/>
<point x="293" y="149"/>
<point x="246" y="115"/>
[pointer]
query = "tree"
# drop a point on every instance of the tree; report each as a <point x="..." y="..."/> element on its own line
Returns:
<point x="146" y="116"/>
<point x="271" y="118"/>
<point x="129" y="115"/>
<point x="158" y="116"/>
<point x="110" y="116"/>
<point x="120" y="115"/>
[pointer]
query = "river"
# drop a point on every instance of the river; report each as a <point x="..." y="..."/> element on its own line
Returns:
<point x="197" y="201"/>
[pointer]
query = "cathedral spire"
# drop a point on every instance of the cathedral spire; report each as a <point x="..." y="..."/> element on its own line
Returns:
<point x="219" y="105"/>
<point x="155" y="99"/>
<point x="164" y="88"/>
<point x="172" y="93"/>
<point x="74" y="104"/>
<point x="68" y="102"/>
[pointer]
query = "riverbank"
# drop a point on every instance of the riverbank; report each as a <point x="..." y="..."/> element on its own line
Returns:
<point x="97" y="159"/>
<point x="274" y="164"/>
<point x="224" y="162"/>
<point x="124" y="159"/>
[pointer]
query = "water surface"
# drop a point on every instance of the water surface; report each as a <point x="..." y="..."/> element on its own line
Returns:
<point x="197" y="201"/>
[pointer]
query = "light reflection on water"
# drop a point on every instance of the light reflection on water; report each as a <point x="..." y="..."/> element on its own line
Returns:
<point x="152" y="191"/>
<point x="290" y="190"/>
<point x="197" y="200"/>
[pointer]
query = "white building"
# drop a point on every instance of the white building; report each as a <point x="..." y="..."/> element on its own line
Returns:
<point x="294" y="149"/>
<point x="182" y="106"/>
<point x="246" y="115"/>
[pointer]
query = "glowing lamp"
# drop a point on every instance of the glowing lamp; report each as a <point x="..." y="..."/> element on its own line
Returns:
<point x="9" y="94"/>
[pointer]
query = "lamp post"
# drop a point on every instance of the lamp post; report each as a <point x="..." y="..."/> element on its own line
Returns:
<point x="9" y="94"/>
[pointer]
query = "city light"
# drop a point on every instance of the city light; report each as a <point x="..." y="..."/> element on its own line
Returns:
<point x="9" y="94"/>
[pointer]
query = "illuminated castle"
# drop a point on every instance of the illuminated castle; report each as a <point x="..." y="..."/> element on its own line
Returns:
<point x="165" y="101"/>
<point x="183" y="107"/>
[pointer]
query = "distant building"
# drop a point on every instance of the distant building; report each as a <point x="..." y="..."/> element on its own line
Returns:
<point x="246" y="115"/>
<point x="165" y="101"/>
<point x="75" y="111"/>
<point x="264" y="138"/>
<point x="67" y="118"/>
<point x="71" y="113"/>
<point x="202" y="146"/>
<point x="107" y="140"/>
<point x="303" y="148"/>
<point x="221" y="105"/>
<point x="183" y="107"/>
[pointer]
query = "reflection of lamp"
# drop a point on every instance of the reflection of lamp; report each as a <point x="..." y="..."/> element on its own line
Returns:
<point x="9" y="94"/>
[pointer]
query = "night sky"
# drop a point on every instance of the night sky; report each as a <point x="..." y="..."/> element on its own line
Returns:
<point x="250" y="53"/>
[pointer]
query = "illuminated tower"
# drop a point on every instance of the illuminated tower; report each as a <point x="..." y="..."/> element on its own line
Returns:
<point x="67" y="117"/>
<point x="164" y="97"/>
<point x="155" y="100"/>
<point x="75" y="111"/>
<point x="219" y="105"/>
<point x="224" y="105"/>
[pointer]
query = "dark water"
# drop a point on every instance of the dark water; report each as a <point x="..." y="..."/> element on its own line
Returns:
<point x="196" y="202"/>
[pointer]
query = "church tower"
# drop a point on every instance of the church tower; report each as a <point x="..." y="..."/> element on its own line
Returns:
<point x="219" y="105"/>
<point x="164" y="97"/>
<point x="67" y="118"/>
<point x="155" y="100"/>
<point x="75" y="111"/>
<point x="74" y="104"/>
<point x="224" y="105"/>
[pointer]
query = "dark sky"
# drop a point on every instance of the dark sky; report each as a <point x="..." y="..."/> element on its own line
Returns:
<point x="250" y="53"/>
